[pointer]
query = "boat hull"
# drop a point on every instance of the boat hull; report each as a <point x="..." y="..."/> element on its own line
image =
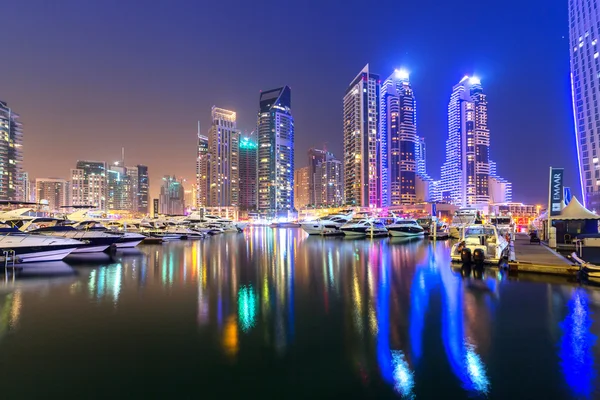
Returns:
<point x="405" y="233"/>
<point x="46" y="255"/>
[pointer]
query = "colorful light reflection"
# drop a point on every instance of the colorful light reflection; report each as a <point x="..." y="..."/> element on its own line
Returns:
<point x="576" y="346"/>
<point x="247" y="307"/>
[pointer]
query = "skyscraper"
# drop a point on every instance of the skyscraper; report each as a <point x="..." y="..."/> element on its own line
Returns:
<point x="275" y="128"/>
<point x="398" y="126"/>
<point x="202" y="171"/>
<point x="88" y="184"/>
<point x="248" y="173"/>
<point x="28" y="193"/>
<point x="584" y="31"/>
<point x="223" y="138"/>
<point x="53" y="192"/>
<point x="171" y="196"/>
<point x="119" y="187"/>
<point x="315" y="157"/>
<point x="329" y="185"/>
<point x="302" y="187"/>
<point x="143" y="189"/>
<point x="466" y="172"/>
<point x="362" y="147"/>
<point x="138" y="180"/>
<point x="11" y="154"/>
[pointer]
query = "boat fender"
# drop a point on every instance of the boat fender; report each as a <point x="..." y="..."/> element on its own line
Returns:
<point x="465" y="255"/>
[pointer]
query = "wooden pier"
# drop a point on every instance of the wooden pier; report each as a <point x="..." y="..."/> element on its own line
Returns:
<point x="538" y="258"/>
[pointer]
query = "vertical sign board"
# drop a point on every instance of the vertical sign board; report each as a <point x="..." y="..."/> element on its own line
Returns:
<point x="567" y="195"/>
<point x="155" y="210"/>
<point x="556" y="190"/>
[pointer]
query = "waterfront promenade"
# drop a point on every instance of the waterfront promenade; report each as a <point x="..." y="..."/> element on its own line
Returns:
<point x="538" y="258"/>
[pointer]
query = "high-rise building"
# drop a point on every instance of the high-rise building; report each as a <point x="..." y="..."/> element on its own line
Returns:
<point x="362" y="145"/>
<point x="132" y="175"/>
<point x="28" y="193"/>
<point x="500" y="188"/>
<point x="172" y="201"/>
<point x="223" y="138"/>
<point x="400" y="143"/>
<point x="138" y="190"/>
<point x="52" y="192"/>
<point x="302" y="187"/>
<point x="466" y="172"/>
<point x="329" y="185"/>
<point x="143" y="189"/>
<point x="248" y="173"/>
<point x="119" y="188"/>
<point x="203" y="171"/>
<point x="11" y="154"/>
<point x="584" y="32"/>
<point x="275" y="129"/>
<point x="315" y="157"/>
<point x="88" y="184"/>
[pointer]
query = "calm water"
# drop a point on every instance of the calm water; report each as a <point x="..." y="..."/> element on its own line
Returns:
<point x="277" y="314"/>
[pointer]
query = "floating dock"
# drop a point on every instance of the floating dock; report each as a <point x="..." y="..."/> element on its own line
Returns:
<point x="538" y="258"/>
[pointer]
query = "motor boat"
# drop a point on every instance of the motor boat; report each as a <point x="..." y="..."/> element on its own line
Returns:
<point x="504" y="224"/>
<point x="461" y="218"/>
<point x="405" y="228"/>
<point x="96" y="241"/>
<point x="35" y="248"/>
<point x="225" y="224"/>
<point x="126" y="239"/>
<point x="480" y="243"/>
<point x="328" y="225"/>
<point x="364" y="227"/>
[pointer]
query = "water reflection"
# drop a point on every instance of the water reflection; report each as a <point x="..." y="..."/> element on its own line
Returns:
<point x="576" y="344"/>
<point x="387" y="317"/>
<point x="461" y="350"/>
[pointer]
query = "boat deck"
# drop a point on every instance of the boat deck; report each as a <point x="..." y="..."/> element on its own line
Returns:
<point x="534" y="257"/>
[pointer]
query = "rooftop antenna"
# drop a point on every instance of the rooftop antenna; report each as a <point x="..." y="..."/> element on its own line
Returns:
<point x="123" y="155"/>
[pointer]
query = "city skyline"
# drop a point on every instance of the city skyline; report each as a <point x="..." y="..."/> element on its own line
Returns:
<point x="65" y="98"/>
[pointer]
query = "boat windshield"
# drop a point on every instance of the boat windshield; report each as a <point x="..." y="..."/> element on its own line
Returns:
<point x="479" y="230"/>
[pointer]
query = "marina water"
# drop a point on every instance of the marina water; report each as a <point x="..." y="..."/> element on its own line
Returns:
<point x="277" y="314"/>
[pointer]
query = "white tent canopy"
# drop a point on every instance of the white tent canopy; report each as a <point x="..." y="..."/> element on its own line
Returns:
<point x="575" y="211"/>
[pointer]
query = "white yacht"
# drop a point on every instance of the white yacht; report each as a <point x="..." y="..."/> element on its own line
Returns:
<point x="406" y="228"/>
<point x="480" y="243"/>
<point x="364" y="227"/>
<point x="504" y="224"/>
<point x="462" y="217"/>
<point x="226" y="224"/>
<point x="36" y="248"/>
<point x="126" y="239"/>
<point x="327" y="225"/>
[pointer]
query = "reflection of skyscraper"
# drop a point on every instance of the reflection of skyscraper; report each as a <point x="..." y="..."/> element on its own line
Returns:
<point x="362" y="152"/>
<point x="585" y="68"/>
<point x="223" y="140"/>
<point x="275" y="129"/>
